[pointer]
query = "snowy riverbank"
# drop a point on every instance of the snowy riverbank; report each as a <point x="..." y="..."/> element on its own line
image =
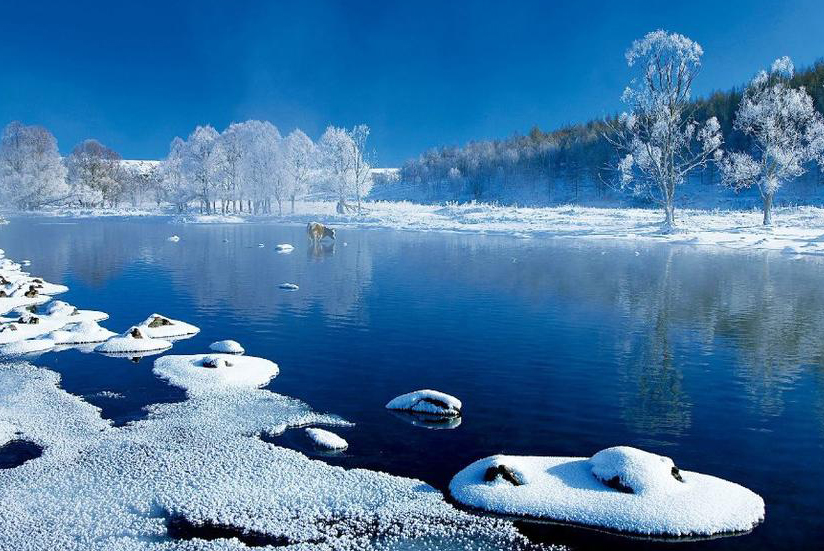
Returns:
<point x="796" y="230"/>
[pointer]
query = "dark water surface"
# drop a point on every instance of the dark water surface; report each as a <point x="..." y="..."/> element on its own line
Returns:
<point x="555" y="347"/>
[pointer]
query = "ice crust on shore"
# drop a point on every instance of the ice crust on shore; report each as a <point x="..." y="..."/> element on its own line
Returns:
<point x="114" y="488"/>
<point x="85" y="332"/>
<point x="622" y="489"/>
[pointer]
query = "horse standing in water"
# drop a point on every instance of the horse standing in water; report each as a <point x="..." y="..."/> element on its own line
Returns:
<point x="317" y="231"/>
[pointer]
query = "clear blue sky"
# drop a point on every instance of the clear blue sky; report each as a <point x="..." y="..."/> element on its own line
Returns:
<point x="421" y="74"/>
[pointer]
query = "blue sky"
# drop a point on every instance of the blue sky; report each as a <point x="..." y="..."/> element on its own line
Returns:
<point x="421" y="74"/>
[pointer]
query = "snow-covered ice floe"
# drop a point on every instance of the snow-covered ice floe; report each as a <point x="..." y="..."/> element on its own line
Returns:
<point x="84" y="332"/>
<point x="23" y="347"/>
<point x="209" y="373"/>
<point x="289" y="286"/>
<point x="227" y="347"/>
<point x="429" y="402"/>
<point x="621" y="489"/>
<point x="133" y="341"/>
<point x="161" y="327"/>
<point x="198" y="463"/>
<point x="284" y="248"/>
<point x="326" y="440"/>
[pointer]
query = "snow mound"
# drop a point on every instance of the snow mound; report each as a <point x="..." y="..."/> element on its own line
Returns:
<point x="173" y="239"/>
<point x="58" y="308"/>
<point x="227" y="347"/>
<point x="85" y="332"/>
<point x="135" y="340"/>
<point x="427" y="401"/>
<point x="161" y="327"/>
<point x="30" y="346"/>
<point x="284" y="247"/>
<point x="209" y="373"/>
<point x="119" y="488"/>
<point x="9" y="303"/>
<point x="326" y="440"/>
<point x="289" y="286"/>
<point x="621" y="489"/>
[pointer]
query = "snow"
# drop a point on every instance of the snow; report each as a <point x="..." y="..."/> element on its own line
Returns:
<point x="161" y="327"/>
<point x="326" y="439"/>
<point x="227" y="347"/>
<point x="113" y="488"/>
<point x="289" y="286"/>
<point x="173" y="239"/>
<point x="431" y="402"/>
<point x="21" y="347"/>
<point x="723" y="226"/>
<point x="284" y="248"/>
<point x="192" y="373"/>
<point x="84" y="332"/>
<point x="580" y="491"/>
<point x="135" y="340"/>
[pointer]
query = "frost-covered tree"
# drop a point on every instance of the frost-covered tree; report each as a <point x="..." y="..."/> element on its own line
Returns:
<point x="786" y="134"/>
<point x="202" y="164"/>
<point x="299" y="159"/>
<point x="32" y="173"/>
<point x="361" y="169"/>
<point x="95" y="174"/>
<point x="174" y="187"/>
<point x="658" y="139"/>
<point x="232" y="150"/>
<point x="262" y="165"/>
<point x="335" y="152"/>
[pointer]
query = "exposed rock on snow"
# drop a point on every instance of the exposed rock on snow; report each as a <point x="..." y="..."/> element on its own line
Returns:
<point x="161" y="327"/>
<point x="289" y="286"/>
<point x="133" y="341"/>
<point x="430" y="402"/>
<point x="227" y="347"/>
<point x="326" y="440"/>
<point x="622" y="489"/>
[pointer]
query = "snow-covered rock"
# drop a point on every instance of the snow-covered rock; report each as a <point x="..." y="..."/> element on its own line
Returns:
<point x="284" y="247"/>
<point x="622" y="489"/>
<point x="209" y="373"/>
<point x="326" y="440"/>
<point x="430" y="402"/>
<point x="289" y="286"/>
<point x="227" y="347"/>
<point x="161" y="327"/>
<point x="173" y="239"/>
<point x="427" y="421"/>
<point x="133" y="341"/>
<point x="84" y="332"/>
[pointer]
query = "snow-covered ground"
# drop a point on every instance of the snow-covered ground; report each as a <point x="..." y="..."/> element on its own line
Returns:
<point x="796" y="230"/>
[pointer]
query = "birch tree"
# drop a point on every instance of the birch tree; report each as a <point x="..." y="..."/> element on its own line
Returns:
<point x="658" y="140"/>
<point x="299" y="159"/>
<point x="786" y="134"/>
<point x="361" y="169"/>
<point x="32" y="173"/>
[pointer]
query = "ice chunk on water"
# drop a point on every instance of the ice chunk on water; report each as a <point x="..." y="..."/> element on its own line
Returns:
<point x="622" y="489"/>
<point x="227" y="347"/>
<point x="427" y="401"/>
<point x="326" y="439"/>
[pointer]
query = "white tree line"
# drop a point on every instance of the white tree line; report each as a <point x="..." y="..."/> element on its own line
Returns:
<point x="249" y="167"/>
